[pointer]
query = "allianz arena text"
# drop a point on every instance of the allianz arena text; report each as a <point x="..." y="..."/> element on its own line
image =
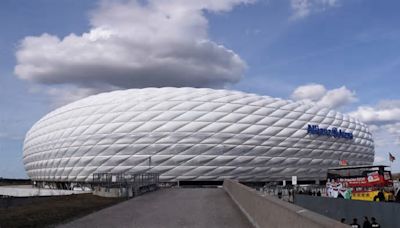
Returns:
<point x="193" y="135"/>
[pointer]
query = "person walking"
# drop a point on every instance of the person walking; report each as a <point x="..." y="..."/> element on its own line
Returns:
<point x="355" y="224"/>
<point x="381" y="196"/>
<point x="374" y="224"/>
<point x="366" y="223"/>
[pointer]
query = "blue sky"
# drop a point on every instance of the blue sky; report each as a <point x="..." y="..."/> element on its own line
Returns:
<point x="346" y="50"/>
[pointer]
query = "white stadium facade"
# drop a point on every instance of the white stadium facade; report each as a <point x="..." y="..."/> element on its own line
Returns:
<point x="189" y="134"/>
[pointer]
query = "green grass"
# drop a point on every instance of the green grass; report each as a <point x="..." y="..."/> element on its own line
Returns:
<point x="53" y="210"/>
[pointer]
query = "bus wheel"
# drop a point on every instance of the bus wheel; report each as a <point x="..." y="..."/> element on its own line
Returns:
<point x="376" y="198"/>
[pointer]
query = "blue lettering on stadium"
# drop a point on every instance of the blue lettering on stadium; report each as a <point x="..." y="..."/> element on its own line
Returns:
<point x="334" y="132"/>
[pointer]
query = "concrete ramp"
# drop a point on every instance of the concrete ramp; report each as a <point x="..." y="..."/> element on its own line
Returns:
<point x="268" y="211"/>
<point x="170" y="208"/>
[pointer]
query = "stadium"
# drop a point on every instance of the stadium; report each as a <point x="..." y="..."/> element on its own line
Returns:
<point x="191" y="134"/>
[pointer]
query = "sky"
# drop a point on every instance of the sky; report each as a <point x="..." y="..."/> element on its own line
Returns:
<point x="341" y="54"/>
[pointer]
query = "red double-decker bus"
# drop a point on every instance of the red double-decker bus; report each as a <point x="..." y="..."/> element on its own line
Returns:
<point x="370" y="183"/>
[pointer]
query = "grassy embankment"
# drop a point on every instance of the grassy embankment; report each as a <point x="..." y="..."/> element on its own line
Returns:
<point x="50" y="211"/>
<point x="6" y="181"/>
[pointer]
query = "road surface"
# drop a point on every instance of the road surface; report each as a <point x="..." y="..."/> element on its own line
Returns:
<point x="170" y="208"/>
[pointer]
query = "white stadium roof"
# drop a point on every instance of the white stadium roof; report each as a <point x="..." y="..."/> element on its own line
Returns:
<point x="192" y="134"/>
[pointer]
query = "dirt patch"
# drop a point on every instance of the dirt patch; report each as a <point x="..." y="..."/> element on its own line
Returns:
<point x="53" y="210"/>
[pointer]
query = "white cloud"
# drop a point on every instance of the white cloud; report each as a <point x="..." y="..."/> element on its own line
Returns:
<point x="135" y="44"/>
<point x="318" y="94"/>
<point x="386" y="112"/>
<point x="303" y="8"/>
<point x="379" y="159"/>
<point x="67" y="94"/>
<point x="384" y="121"/>
<point x="382" y="136"/>
<point x="313" y="92"/>
<point x="338" y="97"/>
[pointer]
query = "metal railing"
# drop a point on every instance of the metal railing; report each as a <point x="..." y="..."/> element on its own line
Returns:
<point x="287" y="192"/>
<point x="132" y="183"/>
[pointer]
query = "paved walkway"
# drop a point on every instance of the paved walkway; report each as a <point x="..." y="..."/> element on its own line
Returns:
<point x="175" y="208"/>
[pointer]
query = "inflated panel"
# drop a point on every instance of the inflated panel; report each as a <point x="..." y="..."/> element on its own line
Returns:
<point x="191" y="134"/>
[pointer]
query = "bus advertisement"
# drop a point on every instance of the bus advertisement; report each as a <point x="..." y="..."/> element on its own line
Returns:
<point x="369" y="183"/>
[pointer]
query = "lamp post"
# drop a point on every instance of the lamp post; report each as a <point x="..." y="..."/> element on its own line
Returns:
<point x="149" y="162"/>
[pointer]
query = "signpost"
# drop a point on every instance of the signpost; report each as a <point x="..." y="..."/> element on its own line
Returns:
<point x="294" y="180"/>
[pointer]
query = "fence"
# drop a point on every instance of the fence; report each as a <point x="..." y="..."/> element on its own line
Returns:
<point x="287" y="192"/>
<point x="124" y="184"/>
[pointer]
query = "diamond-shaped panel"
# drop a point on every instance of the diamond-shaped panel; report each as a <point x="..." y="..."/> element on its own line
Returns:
<point x="190" y="134"/>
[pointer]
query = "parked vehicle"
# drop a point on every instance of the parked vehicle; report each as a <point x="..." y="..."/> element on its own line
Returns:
<point x="369" y="183"/>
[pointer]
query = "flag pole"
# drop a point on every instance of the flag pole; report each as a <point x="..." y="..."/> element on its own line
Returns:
<point x="391" y="159"/>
